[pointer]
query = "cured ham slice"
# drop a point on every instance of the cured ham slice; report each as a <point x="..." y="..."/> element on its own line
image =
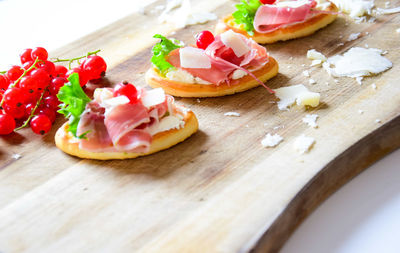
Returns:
<point x="92" y="126"/>
<point x="121" y="122"/>
<point x="271" y="17"/>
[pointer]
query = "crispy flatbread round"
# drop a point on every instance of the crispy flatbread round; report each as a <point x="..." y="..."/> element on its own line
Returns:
<point x="294" y="31"/>
<point x="163" y="140"/>
<point x="180" y="89"/>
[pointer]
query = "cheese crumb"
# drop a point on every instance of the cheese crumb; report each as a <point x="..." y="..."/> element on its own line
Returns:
<point x="353" y="36"/>
<point x="296" y="93"/>
<point x="388" y="11"/>
<point x="198" y="100"/>
<point x="312" y="54"/>
<point x="271" y="141"/>
<point x="233" y="114"/>
<point x="303" y="144"/>
<point x="306" y="73"/>
<point x="315" y="63"/>
<point x="311" y="120"/>
<point x="398" y="30"/>
<point x="16" y="156"/>
<point x="378" y="121"/>
<point x="312" y="81"/>
<point x="373" y="86"/>
<point x="360" y="111"/>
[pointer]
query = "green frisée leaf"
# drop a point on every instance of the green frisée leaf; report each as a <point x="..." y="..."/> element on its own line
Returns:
<point x="161" y="51"/>
<point x="245" y="14"/>
<point x="74" y="101"/>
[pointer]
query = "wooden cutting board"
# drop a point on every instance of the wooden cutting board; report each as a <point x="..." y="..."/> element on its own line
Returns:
<point x="219" y="191"/>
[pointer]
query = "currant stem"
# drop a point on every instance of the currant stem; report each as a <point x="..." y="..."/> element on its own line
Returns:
<point x="24" y="74"/>
<point x="26" y="122"/>
<point x="3" y="72"/>
<point x="75" y="59"/>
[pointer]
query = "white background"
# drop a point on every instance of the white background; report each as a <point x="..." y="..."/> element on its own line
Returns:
<point x="363" y="216"/>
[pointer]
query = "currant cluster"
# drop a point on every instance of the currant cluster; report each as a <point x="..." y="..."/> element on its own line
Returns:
<point x="28" y="93"/>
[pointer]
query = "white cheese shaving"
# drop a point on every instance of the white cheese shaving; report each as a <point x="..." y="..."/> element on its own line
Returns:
<point x="271" y="141"/>
<point x="357" y="62"/>
<point x="315" y="63"/>
<point x="167" y="123"/>
<point x="311" y="120"/>
<point x="296" y="93"/>
<point x="306" y="73"/>
<point x="191" y="57"/>
<point x="303" y="144"/>
<point x="388" y="11"/>
<point x="232" y="114"/>
<point x="312" y="81"/>
<point x="312" y="54"/>
<point x="153" y="97"/>
<point x="235" y="41"/>
<point x="115" y="101"/>
<point x="238" y="74"/>
<point x="183" y="76"/>
<point x="101" y="94"/>
<point x="180" y="13"/>
<point x="353" y="36"/>
<point x="355" y="8"/>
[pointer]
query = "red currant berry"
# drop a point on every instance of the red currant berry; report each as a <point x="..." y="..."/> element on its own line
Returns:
<point x="17" y="112"/>
<point x="28" y="83"/>
<point x="42" y="78"/>
<point x="7" y="124"/>
<point x="26" y="55"/>
<point x="95" y="67"/>
<point x="56" y="84"/>
<point x="51" y="102"/>
<point x="49" y="113"/>
<point x="83" y="77"/>
<point x="41" y="124"/>
<point x="203" y="39"/>
<point x="28" y="108"/>
<point x="229" y="55"/>
<point x="48" y="66"/>
<point x="14" y="97"/>
<point x="14" y="73"/>
<point x="40" y="53"/>
<point x="3" y="83"/>
<point x="127" y="89"/>
<point x="267" y="1"/>
<point x="60" y="71"/>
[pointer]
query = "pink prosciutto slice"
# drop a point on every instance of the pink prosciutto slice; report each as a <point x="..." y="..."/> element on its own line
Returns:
<point x="92" y="125"/>
<point x="221" y="70"/>
<point x="121" y="122"/>
<point x="270" y="17"/>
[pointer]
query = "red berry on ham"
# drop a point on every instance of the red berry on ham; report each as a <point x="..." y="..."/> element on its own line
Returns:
<point x="204" y="39"/>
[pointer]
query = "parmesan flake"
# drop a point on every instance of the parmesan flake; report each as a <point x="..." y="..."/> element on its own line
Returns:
<point x="303" y="144"/>
<point x="271" y="141"/>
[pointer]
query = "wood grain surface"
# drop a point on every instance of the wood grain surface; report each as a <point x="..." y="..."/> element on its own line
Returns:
<point x="219" y="191"/>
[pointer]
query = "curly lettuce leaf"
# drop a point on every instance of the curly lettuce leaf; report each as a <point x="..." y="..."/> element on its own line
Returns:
<point x="245" y="14"/>
<point x="74" y="101"/>
<point x="161" y="51"/>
